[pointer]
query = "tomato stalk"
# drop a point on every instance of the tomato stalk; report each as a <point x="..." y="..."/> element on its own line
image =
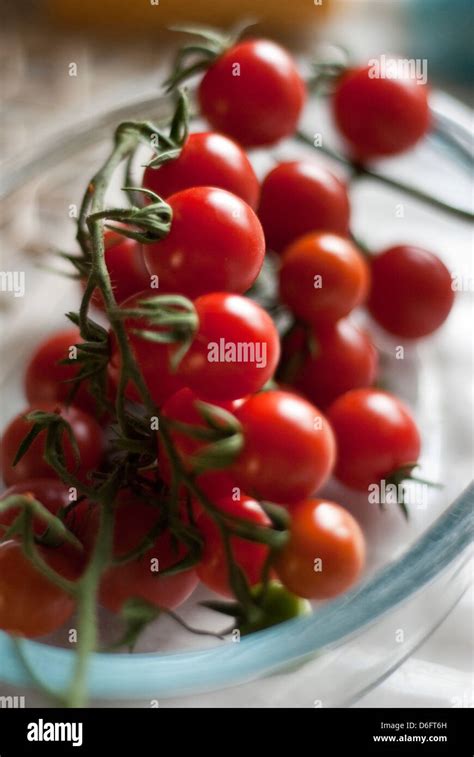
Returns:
<point x="30" y="508"/>
<point x="198" y="56"/>
<point x="173" y="313"/>
<point x="359" y="170"/>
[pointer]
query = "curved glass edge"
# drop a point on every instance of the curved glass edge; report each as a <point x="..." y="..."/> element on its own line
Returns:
<point x="141" y="675"/>
<point x="121" y="676"/>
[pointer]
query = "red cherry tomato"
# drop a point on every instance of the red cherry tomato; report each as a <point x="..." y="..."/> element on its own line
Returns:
<point x="412" y="291"/>
<point x="376" y="435"/>
<point x="325" y="553"/>
<point x="89" y="437"/>
<point x="55" y="497"/>
<point x="181" y="407"/>
<point x="249" y="555"/>
<point x="299" y="197"/>
<point x="126" y="267"/>
<point x="235" y="350"/>
<point x="30" y="605"/>
<point x="215" y="243"/>
<point x="206" y="159"/>
<point x="47" y="380"/>
<point x="253" y="93"/>
<point x="345" y="358"/>
<point x="141" y="577"/>
<point x="51" y="492"/>
<point x="323" y="277"/>
<point x="289" y="447"/>
<point x="380" y="116"/>
<point x="153" y="359"/>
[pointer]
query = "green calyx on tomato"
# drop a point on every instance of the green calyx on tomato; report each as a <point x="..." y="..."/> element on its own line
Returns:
<point x="272" y="604"/>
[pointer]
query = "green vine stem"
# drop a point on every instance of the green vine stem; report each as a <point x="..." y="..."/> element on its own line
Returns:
<point x="359" y="171"/>
<point x="152" y="223"/>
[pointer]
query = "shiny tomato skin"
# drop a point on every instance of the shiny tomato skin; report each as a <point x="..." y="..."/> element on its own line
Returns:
<point x="289" y="448"/>
<point x="376" y="435"/>
<point x="46" y="380"/>
<point x="153" y="359"/>
<point x="134" y="518"/>
<point x="206" y="159"/>
<point x="345" y="358"/>
<point x="230" y="320"/>
<point x="181" y="407"/>
<point x="380" y="116"/>
<point x="89" y="437"/>
<point x="299" y="197"/>
<point x="412" y="292"/>
<point x="323" y="277"/>
<point x="30" y="605"/>
<point x="126" y="266"/>
<point x="321" y="530"/>
<point x="249" y="555"/>
<point x="215" y="244"/>
<point x="253" y="93"/>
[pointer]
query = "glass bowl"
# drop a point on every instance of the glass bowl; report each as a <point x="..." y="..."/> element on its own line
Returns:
<point x="417" y="570"/>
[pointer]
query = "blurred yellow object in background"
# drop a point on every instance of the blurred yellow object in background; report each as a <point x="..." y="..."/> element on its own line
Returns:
<point x="116" y="15"/>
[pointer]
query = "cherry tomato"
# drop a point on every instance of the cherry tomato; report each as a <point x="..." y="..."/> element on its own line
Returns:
<point x="344" y="358"/>
<point x="376" y="435"/>
<point x="288" y="450"/>
<point x="323" y="277"/>
<point x="141" y="577"/>
<point x="249" y="555"/>
<point x="181" y="407"/>
<point x="56" y="497"/>
<point x="299" y="197"/>
<point x="325" y="553"/>
<point x="47" y="380"/>
<point x="30" y="605"/>
<point x="412" y="292"/>
<point x="215" y="244"/>
<point x="153" y="359"/>
<point x="206" y="159"/>
<point x="253" y="93"/>
<point x="235" y="350"/>
<point x="380" y="116"/>
<point x="51" y="492"/>
<point x="126" y="267"/>
<point x="277" y="604"/>
<point x="88" y="434"/>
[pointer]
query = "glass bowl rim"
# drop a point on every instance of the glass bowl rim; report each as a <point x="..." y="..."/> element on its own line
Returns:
<point x="149" y="674"/>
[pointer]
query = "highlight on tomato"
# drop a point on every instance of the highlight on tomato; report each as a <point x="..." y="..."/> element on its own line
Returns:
<point x="323" y="277"/>
<point x="206" y="159"/>
<point x="325" y="553"/>
<point x="253" y="92"/>
<point x="215" y="244"/>
<point x="235" y="349"/>
<point x="288" y="450"/>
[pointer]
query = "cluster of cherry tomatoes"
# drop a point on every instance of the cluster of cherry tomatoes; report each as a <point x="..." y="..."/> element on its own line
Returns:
<point x="299" y="416"/>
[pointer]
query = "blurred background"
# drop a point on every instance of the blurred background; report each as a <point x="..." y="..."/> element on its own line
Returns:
<point x="122" y="48"/>
<point x="120" y="51"/>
